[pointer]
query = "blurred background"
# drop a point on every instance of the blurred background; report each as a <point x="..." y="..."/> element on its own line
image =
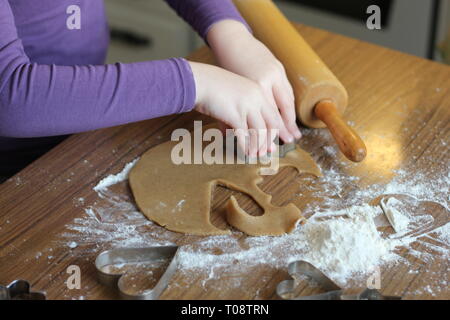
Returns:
<point x="149" y="29"/>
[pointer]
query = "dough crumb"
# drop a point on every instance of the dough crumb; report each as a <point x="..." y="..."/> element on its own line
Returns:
<point x="397" y="219"/>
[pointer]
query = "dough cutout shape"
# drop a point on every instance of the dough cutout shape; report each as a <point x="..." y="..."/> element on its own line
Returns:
<point x="178" y="197"/>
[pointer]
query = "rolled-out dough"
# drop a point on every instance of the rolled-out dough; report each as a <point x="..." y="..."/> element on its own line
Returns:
<point x="178" y="197"/>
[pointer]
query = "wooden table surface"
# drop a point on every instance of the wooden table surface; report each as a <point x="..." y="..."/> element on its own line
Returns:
<point x="399" y="103"/>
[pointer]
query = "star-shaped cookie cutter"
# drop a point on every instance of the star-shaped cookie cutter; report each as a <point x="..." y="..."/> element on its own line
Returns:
<point x="286" y="288"/>
<point x="136" y="255"/>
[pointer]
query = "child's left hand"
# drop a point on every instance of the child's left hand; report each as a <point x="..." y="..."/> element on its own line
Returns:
<point x="238" y="51"/>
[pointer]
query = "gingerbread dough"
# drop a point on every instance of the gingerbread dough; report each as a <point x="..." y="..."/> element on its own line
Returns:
<point x="177" y="197"/>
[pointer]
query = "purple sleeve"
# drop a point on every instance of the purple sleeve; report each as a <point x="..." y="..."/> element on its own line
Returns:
<point x="44" y="100"/>
<point x="202" y="14"/>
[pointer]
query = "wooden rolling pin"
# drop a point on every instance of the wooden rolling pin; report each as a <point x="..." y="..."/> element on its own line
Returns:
<point x="320" y="97"/>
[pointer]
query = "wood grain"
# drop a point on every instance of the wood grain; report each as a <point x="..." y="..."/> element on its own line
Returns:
<point x="392" y="94"/>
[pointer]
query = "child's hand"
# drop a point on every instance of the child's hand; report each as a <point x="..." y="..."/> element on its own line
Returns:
<point x="238" y="51"/>
<point x="239" y="103"/>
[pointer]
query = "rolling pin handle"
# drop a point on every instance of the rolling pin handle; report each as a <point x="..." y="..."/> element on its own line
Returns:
<point x="347" y="139"/>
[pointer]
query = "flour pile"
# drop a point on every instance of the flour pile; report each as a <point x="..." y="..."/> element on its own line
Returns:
<point x="348" y="244"/>
<point x="345" y="245"/>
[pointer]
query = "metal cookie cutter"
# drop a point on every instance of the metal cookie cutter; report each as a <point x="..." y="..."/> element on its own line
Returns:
<point x="136" y="255"/>
<point x="19" y="290"/>
<point x="286" y="288"/>
<point x="285" y="148"/>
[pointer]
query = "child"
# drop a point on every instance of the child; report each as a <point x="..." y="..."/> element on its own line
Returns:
<point x="53" y="81"/>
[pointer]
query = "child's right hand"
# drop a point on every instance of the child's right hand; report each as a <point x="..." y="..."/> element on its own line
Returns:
<point x="239" y="103"/>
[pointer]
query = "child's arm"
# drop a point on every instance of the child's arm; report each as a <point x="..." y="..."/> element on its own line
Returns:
<point x="203" y="14"/>
<point x="44" y="100"/>
<point x="236" y="50"/>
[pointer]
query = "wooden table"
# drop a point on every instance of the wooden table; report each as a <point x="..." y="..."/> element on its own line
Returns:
<point x="394" y="95"/>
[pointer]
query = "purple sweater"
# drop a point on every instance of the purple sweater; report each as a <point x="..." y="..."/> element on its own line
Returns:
<point x="53" y="81"/>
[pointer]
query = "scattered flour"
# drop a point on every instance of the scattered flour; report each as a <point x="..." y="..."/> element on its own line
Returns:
<point x="115" y="178"/>
<point x="343" y="236"/>
<point x="344" y="244"/>
<point x="179" y="206"/>
<point x="444" y="234"/>
<point x="72" y="245"/>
